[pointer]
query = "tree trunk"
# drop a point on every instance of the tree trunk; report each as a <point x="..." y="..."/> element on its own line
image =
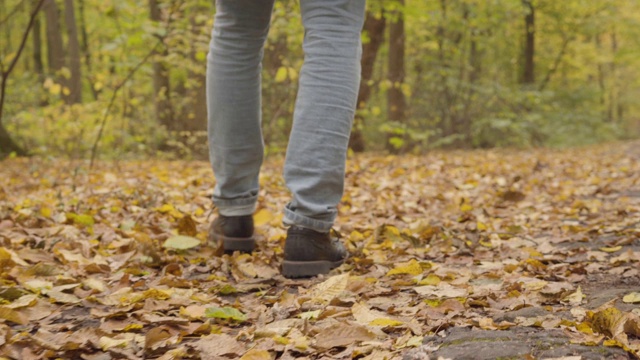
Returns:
<point x="75" y="83"/>
<point x="528" y="73"/>
<point x="84" y="45"/>
<point x="38" y="65"/>
<point x="161" y="85"/>
<point x="55" y="50"/>
<point x="395" y="96"/>
<point x="374" y="28"/>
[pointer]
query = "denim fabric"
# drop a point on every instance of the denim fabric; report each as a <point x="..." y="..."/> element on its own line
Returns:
<point x="323" y="116"/>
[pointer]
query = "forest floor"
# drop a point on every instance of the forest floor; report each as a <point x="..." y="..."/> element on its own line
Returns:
<point x="465" y="255"/>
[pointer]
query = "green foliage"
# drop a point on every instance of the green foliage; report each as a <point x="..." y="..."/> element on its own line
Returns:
<point x="463" y="88"/>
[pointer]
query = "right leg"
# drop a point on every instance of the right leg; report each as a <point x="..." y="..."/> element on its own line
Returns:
<point x="234" y="102"/>
<point x="236" y="147"/>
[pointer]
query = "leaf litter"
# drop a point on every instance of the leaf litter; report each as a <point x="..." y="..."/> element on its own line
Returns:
<point x="99" y="266"/>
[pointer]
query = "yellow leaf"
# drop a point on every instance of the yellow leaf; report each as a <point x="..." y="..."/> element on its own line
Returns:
<point x="254" y="354"/>
<point x="632" y="298"/>
<point x="293" y="74"/>
<point x="13" y="316"/>
<point x="412" y="268"/>
<point x="611" y="343"/>
<point x="385" y="322"/>
<point x="584" y="328"/>
<point x="301" y="343"/>
<point x="466" y="207"/>
<point x="281" y="75"/>
<point x="165" y="208"/>
<point x="133" y="327"/>
<point x="481" y="226"/>
<point x="262" y="217"/>
<point x="430" y="280"/>
<point x="433" y="302"/>
<point x="611" y="249"/>
<point x="55" y="89"/>
<point x="45" y="212"/>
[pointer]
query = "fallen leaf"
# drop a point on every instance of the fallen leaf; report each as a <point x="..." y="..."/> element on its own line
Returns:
<point x="181" y="242"/>
<point x="225" y="313"/>
<point x="256" y="355"/>
<point x="262" y="217"/>
<point x="330" y="288"/>
<point x="412" y="268"/>
<point x="632" y="298"/>
<point x="342" y="334"/>
<point x="611" y="249"/>
<point x="13" y="316"/>
<point x="216" y="346"/>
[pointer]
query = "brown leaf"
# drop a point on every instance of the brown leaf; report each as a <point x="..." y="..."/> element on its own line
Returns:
<point x="215" y="346"/>
<point x="342" y="334"/>
<point x="186" y="226"/>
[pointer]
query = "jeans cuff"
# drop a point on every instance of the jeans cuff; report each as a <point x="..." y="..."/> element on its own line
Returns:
<point x="236" y="207"/>
<point x="291" y="218"/>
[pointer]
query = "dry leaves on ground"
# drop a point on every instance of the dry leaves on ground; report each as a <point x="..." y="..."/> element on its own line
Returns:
<point x="114" y="263"/>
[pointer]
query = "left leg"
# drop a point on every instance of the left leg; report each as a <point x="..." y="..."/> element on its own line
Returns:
<point x="316" y="156"/>
<point x="324" y="111"/>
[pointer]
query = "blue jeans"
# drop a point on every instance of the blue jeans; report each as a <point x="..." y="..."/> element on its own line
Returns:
<point x="323" y="116"/>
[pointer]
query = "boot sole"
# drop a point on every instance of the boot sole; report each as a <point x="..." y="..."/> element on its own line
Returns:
<point x="301" y="269"/>
<point x="231" y="244"/>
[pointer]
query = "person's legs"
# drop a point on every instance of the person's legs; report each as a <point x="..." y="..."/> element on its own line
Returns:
<point x="234" y="102"/>
<point x="324" y="111"/>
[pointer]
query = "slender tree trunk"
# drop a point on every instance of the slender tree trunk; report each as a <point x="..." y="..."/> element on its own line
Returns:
<point x="199" y="90"/>
<point x="395" y="96"/>
<point x="161" y="85"/>
<point x="528" y="73"/>
<point x="374" y="27"/>
<point x="602" y="82"/>
<point x="614" y="106"/>
<point x="75" y="83"/>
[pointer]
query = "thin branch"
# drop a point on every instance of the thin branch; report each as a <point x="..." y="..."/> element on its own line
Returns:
<point x="13" y="12"/>
<point x="94" y="149"/>
<point x="556" y="64"/>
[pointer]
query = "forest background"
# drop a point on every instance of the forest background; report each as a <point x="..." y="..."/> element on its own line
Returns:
<point x="126" y="78"/>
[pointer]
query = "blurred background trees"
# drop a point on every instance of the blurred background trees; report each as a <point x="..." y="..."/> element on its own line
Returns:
<point x="127" y="77"/>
